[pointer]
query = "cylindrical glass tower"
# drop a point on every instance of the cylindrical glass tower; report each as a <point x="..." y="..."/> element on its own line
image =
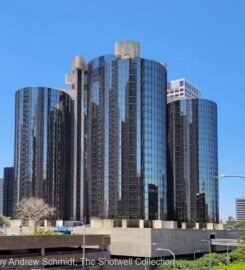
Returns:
<point x="127" y="137"/>
<point x="193" y="161"/>
<point x="42" y="147"/>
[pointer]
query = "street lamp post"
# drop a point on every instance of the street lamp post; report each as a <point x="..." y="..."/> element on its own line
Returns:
<point x="230" y="176"/>
<point x="103" y="244"/>
<point x="83" y="245"/>
<point x="210" y="255"/>
<point x="103" y="241"/>
<point x="198" y="250"/>
<point x="170" y="251"/>
<point x="227" y="253"/>
<point x="146" y="262"/>
<point x="153" y="244"/>
<point x="4" y="229"/>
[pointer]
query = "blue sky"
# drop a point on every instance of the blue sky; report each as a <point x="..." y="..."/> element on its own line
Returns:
<point x="203" y="41"/>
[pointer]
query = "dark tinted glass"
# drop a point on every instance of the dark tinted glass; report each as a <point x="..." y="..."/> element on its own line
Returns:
<point x="193" y="161"/>
<point x="42" y="147"/>
<point x="127" y="133"/>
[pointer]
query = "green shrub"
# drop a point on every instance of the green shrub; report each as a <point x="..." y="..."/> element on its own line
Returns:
<point x="237" y="257"/>
<point x="41" y="232"/>
<point x="232" y="266"/>
<point x="238" y="254"/>
<point x="4" y="220"/>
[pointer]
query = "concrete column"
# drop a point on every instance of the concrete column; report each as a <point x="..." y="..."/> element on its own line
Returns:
<point x="218" y="226"/>
<point x="197" y="226"/>
<point x="42" y="251"/>
<point x="32" y="224"/>
<point x="141" y="224"/>
<point x="59" y="222"/>
<point x="183" y="225"/>
<point x="96" y="223"/>
<point x="169" y="224"/>
<point x="210" y="226"/>
<point x="45" y="223"/>
<point x="124" y="223"/>
<point x="15" y="222"/>
<point x="108" y="223"/>
<point x="157" y="224"/>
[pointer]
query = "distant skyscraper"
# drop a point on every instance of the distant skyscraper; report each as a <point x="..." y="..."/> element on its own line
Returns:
<point x="193" y="161"/>
<point x="127" y="169"/>
<point x="1" y="196"/>
<point x="43" y="147"/>
<point x="8" y="179"/>
<point x="182" y="89"/>
<point x="240" y="208"/>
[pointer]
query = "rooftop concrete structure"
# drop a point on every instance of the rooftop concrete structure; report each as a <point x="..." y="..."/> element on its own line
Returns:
<point x="79" y="62"/>
<point x="182" y="89"/>
<point x="137" y="242"/>
<point x="52" y="241"/>
<point x="58" y="249"/>
<point x="154" y="224"/>
<point x="127" y="49"/>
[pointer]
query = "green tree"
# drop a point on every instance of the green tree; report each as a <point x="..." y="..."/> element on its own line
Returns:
<point x="4" y="220"/>
<point x="241" y="226"/>
<point x="230" y="223"/>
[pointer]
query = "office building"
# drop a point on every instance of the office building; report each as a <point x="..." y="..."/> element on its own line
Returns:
<point x="192" y="161"/>
<point x="127" y="167"/>
<point x="8" y="179"/>
<point x="118" y="165"/>
<point x="43" y="147"/>
<point x="1" y="196"/>
<point x="182" y="88"/>
<point x="240" y="208"/>
<point x="99" y="149"/>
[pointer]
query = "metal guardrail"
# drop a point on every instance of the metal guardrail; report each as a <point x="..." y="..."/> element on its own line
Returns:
<point x="227" y="242"/>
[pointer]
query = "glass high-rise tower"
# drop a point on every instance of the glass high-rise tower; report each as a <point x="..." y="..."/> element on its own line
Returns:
<point x="127" y="166"/>
<point x="8" y="179"/>
<point x="101" y="150"/>
<point x="192" y="161"/>
<point x="42" y="147"/>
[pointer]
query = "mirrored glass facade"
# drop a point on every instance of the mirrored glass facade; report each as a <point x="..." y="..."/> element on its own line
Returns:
<point x="42" y="147"/>
<point x="192" y="161"/>
<point x="8" y="179"/>
<point x="127" y="138"/>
